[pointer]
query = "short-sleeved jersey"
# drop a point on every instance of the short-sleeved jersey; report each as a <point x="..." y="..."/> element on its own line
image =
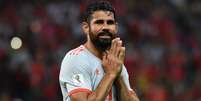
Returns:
<point x="81" y="71"/>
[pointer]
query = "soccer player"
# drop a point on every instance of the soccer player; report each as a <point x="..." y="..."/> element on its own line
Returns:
<point x="95" y="71"/>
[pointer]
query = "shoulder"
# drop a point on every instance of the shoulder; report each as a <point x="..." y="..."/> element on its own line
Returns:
<point x="75" y="54"/>
<point x="75" y="57"/>
<point x="74" y="62"/>
<point x="76" y="51"/>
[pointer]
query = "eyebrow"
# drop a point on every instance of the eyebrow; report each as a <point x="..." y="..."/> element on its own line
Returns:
<point x="110" y="22"/>
<point x="99" y="21"/>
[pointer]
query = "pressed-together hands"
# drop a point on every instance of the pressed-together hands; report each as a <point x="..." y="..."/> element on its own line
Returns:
<point x="113" y="59"/>
<point x="112" y="63"/>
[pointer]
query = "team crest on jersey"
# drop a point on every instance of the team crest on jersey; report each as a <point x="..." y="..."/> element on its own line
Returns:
<point x="78" y="79"/>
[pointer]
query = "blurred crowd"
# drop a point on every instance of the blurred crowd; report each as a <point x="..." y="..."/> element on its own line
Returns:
<point x="162" y="39"/>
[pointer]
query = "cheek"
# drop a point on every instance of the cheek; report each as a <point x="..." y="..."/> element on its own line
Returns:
<point x="96" y="29"/>
<point x="114" y="30"/>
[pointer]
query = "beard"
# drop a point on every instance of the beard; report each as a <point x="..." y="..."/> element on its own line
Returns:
<point x="102" y="44"/>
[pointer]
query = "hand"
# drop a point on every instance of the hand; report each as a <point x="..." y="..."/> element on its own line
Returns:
<point x="113" y="59"/>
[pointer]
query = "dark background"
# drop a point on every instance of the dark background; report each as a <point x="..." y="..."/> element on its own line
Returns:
<point x="162" y="39"/>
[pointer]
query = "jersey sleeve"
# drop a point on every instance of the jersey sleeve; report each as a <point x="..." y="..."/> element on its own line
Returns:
<point x="125" y="76"/>
<point x="75" y="76"/>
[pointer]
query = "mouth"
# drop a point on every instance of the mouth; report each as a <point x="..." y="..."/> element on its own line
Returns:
<point x="105" y="37"/>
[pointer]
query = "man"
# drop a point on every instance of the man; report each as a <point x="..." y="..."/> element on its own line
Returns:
<point x="95" y="71"/>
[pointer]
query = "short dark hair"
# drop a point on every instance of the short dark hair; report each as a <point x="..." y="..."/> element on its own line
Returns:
<point x="96" y="6"/>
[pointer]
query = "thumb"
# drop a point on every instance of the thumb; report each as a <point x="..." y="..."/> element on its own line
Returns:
<point x="104" y="56"/>
<point x="122" y="54"/>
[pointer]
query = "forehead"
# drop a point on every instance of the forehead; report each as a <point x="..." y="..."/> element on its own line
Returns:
<point x="104" y="15"/>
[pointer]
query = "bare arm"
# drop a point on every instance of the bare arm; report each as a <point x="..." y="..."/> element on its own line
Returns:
<point x="99" y="94"/>
<point x="124" y="93"/>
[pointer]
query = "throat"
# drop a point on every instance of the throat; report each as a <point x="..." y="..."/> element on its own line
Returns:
<point x="93" y="50"/>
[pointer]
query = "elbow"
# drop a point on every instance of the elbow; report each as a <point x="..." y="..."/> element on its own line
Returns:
<point x="133" y="98"/>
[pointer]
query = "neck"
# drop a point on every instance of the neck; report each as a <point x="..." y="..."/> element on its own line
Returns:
<point x="93" y="49"/>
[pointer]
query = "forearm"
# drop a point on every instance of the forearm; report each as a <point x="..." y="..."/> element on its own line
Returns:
<point x="124" y="93"/>
<point x="103" y="88"/>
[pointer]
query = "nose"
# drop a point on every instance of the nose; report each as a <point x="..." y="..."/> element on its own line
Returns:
<point x="105" y="26"/>
<point x="105" y="30"/>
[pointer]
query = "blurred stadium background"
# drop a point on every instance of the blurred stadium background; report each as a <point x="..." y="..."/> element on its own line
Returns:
<point x="162" y="39"/>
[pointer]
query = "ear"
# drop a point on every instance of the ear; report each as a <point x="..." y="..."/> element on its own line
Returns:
<point x="85" y="27"/>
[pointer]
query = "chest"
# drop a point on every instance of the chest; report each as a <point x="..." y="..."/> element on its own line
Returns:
<point x="97" y="76"/>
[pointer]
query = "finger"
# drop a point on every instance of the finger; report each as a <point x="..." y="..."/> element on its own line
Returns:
<point x="105" y="55"/>
<point x="122" y="54"/>
<point x="106" y="52"/>
<point x="115" y="50"/>
<point x="104" y="58"/>
<point x="118" y="48"/>
<point x="113" y="47"/>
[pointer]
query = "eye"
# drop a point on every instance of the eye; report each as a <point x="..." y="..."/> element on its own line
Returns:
<point x="99" y="22"/>
<point x="110" y="22"/>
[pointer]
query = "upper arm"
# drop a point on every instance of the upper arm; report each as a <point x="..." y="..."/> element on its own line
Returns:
<point x="80" y="96"/>
<point x="75" y="79"/>
<point x="125" y="76"/>
<point x="83" y="96"/>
